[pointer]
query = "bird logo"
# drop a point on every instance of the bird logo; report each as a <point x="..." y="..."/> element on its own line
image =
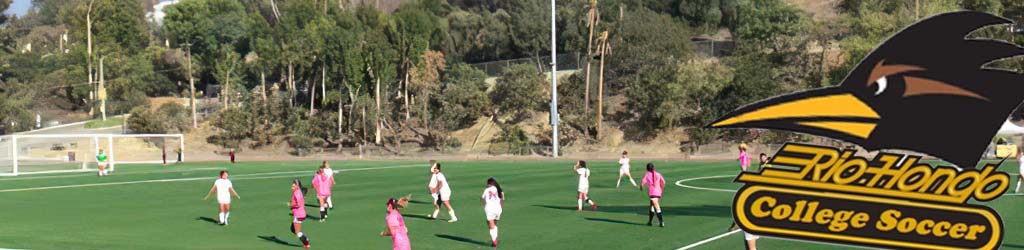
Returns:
<point x="926" y="89"/>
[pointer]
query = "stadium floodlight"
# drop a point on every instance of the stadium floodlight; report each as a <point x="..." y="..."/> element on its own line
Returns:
<point x="22" y="154"/>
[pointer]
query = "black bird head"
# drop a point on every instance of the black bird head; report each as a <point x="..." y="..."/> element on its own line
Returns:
<point x="924" y="89"/>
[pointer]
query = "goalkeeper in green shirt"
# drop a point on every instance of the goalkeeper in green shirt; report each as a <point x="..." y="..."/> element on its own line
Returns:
<point x="101" y="163"/>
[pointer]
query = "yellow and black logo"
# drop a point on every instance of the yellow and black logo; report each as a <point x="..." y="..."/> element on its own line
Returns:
<point x="924" y="89"/>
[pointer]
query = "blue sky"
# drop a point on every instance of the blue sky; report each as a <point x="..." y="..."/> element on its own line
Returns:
<point x="19" y="7"/>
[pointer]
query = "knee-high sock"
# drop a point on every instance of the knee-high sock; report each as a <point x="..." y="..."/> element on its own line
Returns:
<point x="632" y="181"/>
<point x="303" y="238"/>
<point x="221" y="217"/>
<point x="434" y="215"/>
<point x="226" y="216"/>
<point x="618" y="181"/>
<point x="494" y="233"/>
<point x="330" y="204"/>
<point x="323" y="212"/>
<point x="1017" y="190"/>
<point x="451" y="212"/>
<point x="589" y="201"/>
<point x="650" y="215"/>
<point x="579" y="203"/>
<point x="659" y="215"/>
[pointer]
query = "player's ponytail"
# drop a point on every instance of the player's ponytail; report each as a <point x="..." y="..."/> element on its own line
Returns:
<point x="583" y="164"/>
<point x="650" y="167"/>
<point x="298" y="183"/>
<point x="492" y="182"/>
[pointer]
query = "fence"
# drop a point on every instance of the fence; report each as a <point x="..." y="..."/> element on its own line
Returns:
<point x="713" y="48"/>
<point x="567" y="61"/>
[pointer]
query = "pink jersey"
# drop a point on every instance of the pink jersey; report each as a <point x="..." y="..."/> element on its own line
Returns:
<point x="299" y="210"/>
<point x="322" y="183"/>
<point x="654" y="182"/>
<point x="744" y="160"/>
<point x="399" y="234"/>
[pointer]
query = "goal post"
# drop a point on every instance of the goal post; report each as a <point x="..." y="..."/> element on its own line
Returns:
<point x="22" y="154"/>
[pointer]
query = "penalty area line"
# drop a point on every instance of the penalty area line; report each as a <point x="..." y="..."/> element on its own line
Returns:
<point x="705" y="241"/>
<point x="254" y="176"/>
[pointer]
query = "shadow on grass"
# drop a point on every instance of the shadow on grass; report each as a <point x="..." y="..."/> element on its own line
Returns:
<point x="207" y="219"/>
<point x="462" y="239"/>
<point x="616" y="221"/>
<point x="417" y="216"/>
<point x="702" y="210"/>
<point x="274" y="239"/>
<point x="1010" y="245"/>
<point x="419" y="202"/>
<point x="313" y="205"/>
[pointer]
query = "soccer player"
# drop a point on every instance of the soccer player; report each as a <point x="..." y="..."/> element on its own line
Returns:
<point x="330" y="175"/>
<point x="396" y="227"/>
<point x="584" y="186"/>
<point x="101" y="163"/>
<point x="744" y="158"/>
<point x="763" y="158"/>
<point x="750" y="241"/>
<point x="298" y="206"/>
<point x="232" y="156"/>
<point x="444" y="192"/>
<point x="624" y="169"/>
<point x="493" y="199"/>
<point x="655" y="185"/>
<point x="1020" y="169"/>
<point x="432" y="186"/>
<point x="322" y="183"/>
<point x="224" y="191"/>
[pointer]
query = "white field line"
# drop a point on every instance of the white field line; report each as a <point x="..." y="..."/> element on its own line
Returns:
<point x="680" y="183"/>
<point x="94" y="174"/>
<point x="705" y="241"/>
<point x="243" y="177"/>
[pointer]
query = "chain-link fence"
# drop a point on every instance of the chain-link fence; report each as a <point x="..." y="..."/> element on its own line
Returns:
<point x="713" y="48"/>
<point x="567" y="61"/>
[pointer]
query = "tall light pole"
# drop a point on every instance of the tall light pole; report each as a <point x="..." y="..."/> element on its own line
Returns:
<point x="554" y="87"/>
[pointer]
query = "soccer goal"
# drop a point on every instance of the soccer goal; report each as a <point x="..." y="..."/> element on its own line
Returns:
<point x="22" y="154"/>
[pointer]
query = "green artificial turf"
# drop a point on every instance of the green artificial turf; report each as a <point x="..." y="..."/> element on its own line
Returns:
<point x="161" y="207"/>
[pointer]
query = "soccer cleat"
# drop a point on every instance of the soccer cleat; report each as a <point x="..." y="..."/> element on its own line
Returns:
<point x="453" y="220"/>
<point x="494" y="243"/>
<point x="661" y="224"/>
<point x="649" y="224"/>
<point x="593" y="207"/>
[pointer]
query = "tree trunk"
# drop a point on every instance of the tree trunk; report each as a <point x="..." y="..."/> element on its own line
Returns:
<point x="192" y="88"/>
<point x="226" y="89"/>
<point x="406" y="96"/>
<point x="323" y="82"/>
<point x="590" y="41"/>
<point x="312" y="97"/>
<point x="341" y="110"/>
<point x="291" y="85"/>
<point x="600" y="89"/>
<point x="263" y="87"/>
<point x="377" y="123"/>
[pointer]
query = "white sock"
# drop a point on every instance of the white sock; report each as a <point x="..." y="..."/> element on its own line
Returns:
<point x="330" y="204"/>
<point x="657" y="210"/>
<point x="299" y="234"/>
<point x="652" y="208"/>
<point x="632" y="181"/>
<point x="618" y="181"/>
<point x="579" y="203"/>
<point x="322" y="208"/>
<point x="226" y="216"/>
<point x="494" y="233"/>
<point x="591" y="202"/>
<point x="434" y="215"/>
<point x="221" y="217"/>
<point x="451" y="212"/>
<point x="1017" y="190"/>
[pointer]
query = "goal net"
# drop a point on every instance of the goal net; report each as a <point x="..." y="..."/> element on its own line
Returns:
<point x="22" y="154"/>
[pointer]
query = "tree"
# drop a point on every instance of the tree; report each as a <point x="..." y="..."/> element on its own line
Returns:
<point x="520" y="89"/>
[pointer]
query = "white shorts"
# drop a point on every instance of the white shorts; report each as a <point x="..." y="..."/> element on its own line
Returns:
<point x="224" y="200"/>
<point x="493" y="213"/>
<point x="623" y="171"/>
<point x="583" y="189"/>
<point x="435" y="196"/>
<point x="445" y="196"/>
<point x="101" y="164"/>
<point x="297" y="220"/>
<point x="748" y="236"/>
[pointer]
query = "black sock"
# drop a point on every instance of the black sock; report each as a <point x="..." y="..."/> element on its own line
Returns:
<point x="293" y="228"/>
<point x="322" y="213"/>
<point x="659" y="218"/>
<point x="304" y="239"/>
<point x="650" y="217"/>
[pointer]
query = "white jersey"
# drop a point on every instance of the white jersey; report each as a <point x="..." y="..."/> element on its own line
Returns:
<point x="491" y="197"/>
<point x="624" y="164"/>
<point x="433" y="181"/>
<point x="223" y="193"/>
<point x="444" y="183"/>
<point x="329" y="172"/>
<point x="1020" y="164"/>
<point x="584" y="174"/>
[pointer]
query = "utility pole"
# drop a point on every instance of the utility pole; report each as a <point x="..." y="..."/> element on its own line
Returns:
<point x="191" y="84"/>
<point x="88" y="60"/>
<point x="102" y="93"/>
<point x="554" y="86"/>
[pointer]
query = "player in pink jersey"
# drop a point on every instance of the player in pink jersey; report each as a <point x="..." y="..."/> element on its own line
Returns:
<point x="396" y="226"/>
<point x="322" y="183"/>
<point x="744" y="158"/>
<point x="298" y="206"/>
<point x="655" y="184"/>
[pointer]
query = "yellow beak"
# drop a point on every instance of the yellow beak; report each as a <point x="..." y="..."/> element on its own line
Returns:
<point x="841" y="112"/>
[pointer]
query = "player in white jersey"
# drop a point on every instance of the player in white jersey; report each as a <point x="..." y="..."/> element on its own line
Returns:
<point x="493" y="199"/>
<point x="1020" y="170"/>
<point x="224" y="191"/>
<point x="624" y="169"/>
<point x="584" y="186"/>
<point x="444" y="193"/>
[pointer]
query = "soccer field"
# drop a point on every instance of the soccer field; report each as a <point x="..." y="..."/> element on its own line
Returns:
<point x="161" y="207"/>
